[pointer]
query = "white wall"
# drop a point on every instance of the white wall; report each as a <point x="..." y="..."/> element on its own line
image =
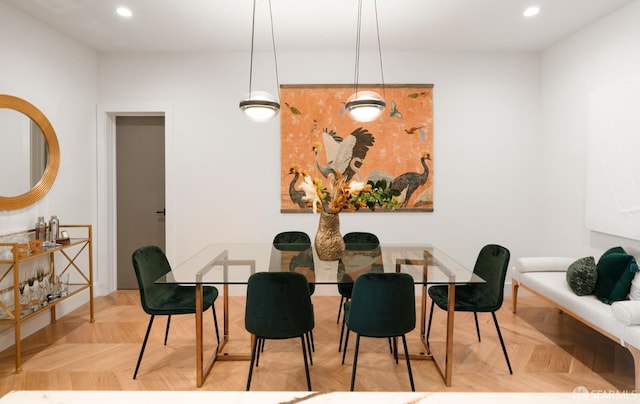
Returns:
<point x="58" y="76"/>
<point x="603" y="54"/>
<point x="226" y="169"/>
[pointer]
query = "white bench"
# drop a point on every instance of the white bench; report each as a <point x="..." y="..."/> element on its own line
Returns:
<point x="546" y="277"/>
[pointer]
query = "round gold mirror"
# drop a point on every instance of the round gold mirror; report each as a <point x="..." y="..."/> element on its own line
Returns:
<point x="30" y="153"/>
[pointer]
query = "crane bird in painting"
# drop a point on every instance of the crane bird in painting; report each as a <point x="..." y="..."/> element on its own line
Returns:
<point x="410" y="181"/>
<point x="341" y="153"/>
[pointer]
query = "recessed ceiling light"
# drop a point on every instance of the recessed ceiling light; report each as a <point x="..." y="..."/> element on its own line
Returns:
<point x="124" y="12"/>
<point x="531" y="11"/>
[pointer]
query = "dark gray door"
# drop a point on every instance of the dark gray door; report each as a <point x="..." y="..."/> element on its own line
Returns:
<point x="140" y="187"/>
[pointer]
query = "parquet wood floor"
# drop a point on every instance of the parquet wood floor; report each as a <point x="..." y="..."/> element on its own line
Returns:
<point x="549" y="352"/>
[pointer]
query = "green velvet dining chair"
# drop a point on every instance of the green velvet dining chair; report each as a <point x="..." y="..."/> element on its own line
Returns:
<point x="355" y="241"/>
<point x="491" y="265"/>
<point x="382" y="305"/>
<point x="298" y="245"/>
<point x="149" y="264"/>
<point x="278" y="306"/>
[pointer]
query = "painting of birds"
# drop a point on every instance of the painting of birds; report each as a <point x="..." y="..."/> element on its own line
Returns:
<point x="313" y="119"/>
<point x="410" y="181"/>
<point x="341" y="153"/>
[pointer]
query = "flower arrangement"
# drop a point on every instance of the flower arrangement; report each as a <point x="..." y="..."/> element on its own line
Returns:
<point x="343" y="194"/>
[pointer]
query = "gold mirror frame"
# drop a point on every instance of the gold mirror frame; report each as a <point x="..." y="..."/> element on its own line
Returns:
<point x="42" y="187"/>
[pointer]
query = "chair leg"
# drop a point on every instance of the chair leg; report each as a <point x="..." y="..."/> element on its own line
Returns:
<point x="340" y="309"/>
<point x="215" y="322"/>
<point x="259" y="350"/>
<point x="406" y="354"/>
<point x="390" y="346"/>
<point x="306" y="365"/>
<point x="254" y="350"/>
<point x="313" y="343"/>
<point x="355" y="361"/>
<point x="144" y="345"/>
<point x="475" y="317"/>
<point x="430" y="318"/>
<point x="395" y="349"/>
<point x="504" y="349"/>
<point x="346" y="343"/>
<point x="341" y="333"/>
<point x="307" y="339"/>
<point x="166" y="333"/>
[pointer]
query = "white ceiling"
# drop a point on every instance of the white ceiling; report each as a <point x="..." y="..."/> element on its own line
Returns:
<point x="317" y="25"/>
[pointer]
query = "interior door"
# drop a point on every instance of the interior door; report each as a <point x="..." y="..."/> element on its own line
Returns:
<point x="140" y="188"/>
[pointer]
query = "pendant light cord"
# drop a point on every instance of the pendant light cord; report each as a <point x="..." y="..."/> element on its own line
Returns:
<point x="273" y="43"/>
<point x="357" y="68"/>
<point x="275" y="58"/>
<point x="375" y="5"/>
<point x="358" y="36"/>
<point x="253" y="30"/>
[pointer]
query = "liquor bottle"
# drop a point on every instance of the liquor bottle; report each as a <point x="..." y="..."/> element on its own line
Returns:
<point x="41" y="229"/>
<point x="54" y="230"/>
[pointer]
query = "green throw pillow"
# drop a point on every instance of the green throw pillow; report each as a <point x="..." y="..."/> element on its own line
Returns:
<point x="582" y="276"/>
<point x="616" y="270"/>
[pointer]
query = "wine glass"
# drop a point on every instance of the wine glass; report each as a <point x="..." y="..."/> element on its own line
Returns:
<point x="39" y="273"/>
<point x="42" y="294"/>
<point x="33" y="293"/>
<point x="64" y="278"/>
<point x="24" y="297"/>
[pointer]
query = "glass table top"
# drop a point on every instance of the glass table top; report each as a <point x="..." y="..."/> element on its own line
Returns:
<point x="234" y="263"/>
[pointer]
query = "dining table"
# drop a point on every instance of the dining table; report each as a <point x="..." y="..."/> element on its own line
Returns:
<point x="232" y="264"/>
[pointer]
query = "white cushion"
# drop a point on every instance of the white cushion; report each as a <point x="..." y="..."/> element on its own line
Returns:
<point x="631" y="336"/>
<point x="634" y="293"/>
<point x="543" y="264"/>
<point x="627" y="311"/>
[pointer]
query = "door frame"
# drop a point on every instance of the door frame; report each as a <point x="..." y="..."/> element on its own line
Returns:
<point x="106" y="232"/>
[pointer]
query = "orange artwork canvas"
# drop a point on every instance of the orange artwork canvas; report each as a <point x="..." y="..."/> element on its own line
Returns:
<point x="319" y="138"/>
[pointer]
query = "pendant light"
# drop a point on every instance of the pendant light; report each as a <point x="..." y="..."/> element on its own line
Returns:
<point x="365" y="106"/>
<point x="260" y="106"/>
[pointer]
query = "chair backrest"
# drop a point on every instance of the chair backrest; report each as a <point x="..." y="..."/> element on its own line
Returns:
<point x="491" y="265"/>
<point x="150" y="263"/>
<point x="382" y="305"/>
<point x="292" y="241"/>
<point x="278" y="305"/>
<point x="357" y="240"/>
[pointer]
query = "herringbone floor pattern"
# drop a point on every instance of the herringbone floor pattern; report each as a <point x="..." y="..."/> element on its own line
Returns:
<point x="549" y="352"/>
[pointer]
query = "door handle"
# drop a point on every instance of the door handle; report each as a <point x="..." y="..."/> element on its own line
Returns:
<point x="163" y="211"/>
